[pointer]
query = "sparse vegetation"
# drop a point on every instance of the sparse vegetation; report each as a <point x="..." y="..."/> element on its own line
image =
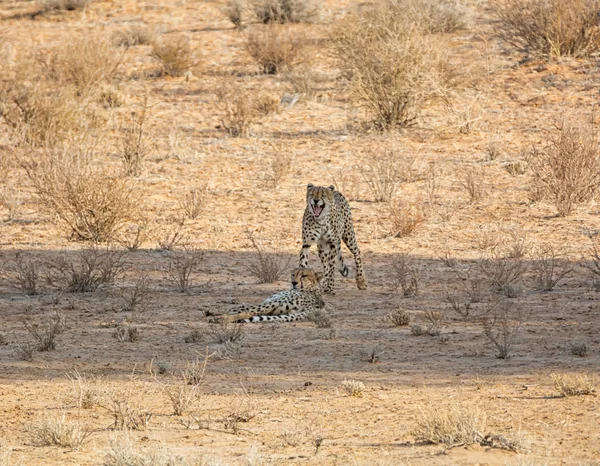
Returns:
<point x="124" y="451"/>
<point x="92" y="204"/>
<point x="174" y="54"/>
<point x="127" y="333"/>
<point x="353" y="387"/>
<point x="573" y="385"/>
<point x="405" y="218"/>
<point x="405" y="276"/>
<point x="234" y="10"/>
<point x="394" y="66"/>
<point x="223" y="333"/>
<point x="473" y="180"/>
<point x="45" y="332"/>
<point x="451" y="426"/>
<point x="579" y="348"/>
<point x="502" y="330"/>
<point x="284" y="11"/>
<point x="276" y="48"/>
<point x="321" y="318"/>
<point x="548" y="267"/>
<point x="59" y="431"/>
<point x="566" y="170"/>
<point x="134" y="143"/>
<point x="134" y="298"/>
<point x="268" y="265"/>
<point x="552" y="28"/>
<point x="87" y="271"/>
<point x="399" y="317"/>
<point x="26" y="273"/>
<point x="182" y="265"/>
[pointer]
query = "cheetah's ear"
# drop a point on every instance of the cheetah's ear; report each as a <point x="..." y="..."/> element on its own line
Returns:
<point x="310" y="185"/>
<point x="332" y="187"/>
<point x="319" y="276"/>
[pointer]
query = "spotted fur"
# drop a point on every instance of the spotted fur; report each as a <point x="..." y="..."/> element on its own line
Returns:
<point x="327" y="222"/>
<point x="286" y="306"/>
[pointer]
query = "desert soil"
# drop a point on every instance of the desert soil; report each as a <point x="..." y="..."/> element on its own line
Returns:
<point x="286" y="380"/>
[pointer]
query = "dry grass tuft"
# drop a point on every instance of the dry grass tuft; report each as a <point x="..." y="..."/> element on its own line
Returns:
<point x="567" y="169"/>
<point x="353" y="387"/>
<point x="451" y="426"/>
<point x="26" y="273"/>
<point x="321" y="318"/>
<point x="223" y="333"/>
<point x="285" y="11"/>
<point x="276" y="48"/>
<point x="548" y="267"/>
<point x="405" y="276"/>
<point x="552" y="28"/>
<point x="182" y="266"/>
<point x="242" y="108"/>
<point x="234" y="10"/>
<point x="474" y="181"/>
<point x="405" y="218"/>
<point x="573" y="385"/>
<point x="63" y="5"/>
<point x="134" y="142"/>
<point x="579" y="348"/>
<point x="124" y="451"/>
<point x="174" y="53"/>
<point x="399" y="317"/>
<point x="132" y="35"/>
<point x="59" y="431"/>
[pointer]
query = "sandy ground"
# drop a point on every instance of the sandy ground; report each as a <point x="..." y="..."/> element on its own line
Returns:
<point x="286" y="380"/>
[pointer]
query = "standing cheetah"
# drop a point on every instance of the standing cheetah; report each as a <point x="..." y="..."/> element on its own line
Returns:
<point x="285" y="306"/>
<point x="327" y="221"/>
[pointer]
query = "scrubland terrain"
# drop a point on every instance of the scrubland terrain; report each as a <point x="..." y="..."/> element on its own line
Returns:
<point x="154" y="158"/>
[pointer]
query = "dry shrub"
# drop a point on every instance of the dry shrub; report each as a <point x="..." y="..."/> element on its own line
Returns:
<point x="552" y="28"/>
<point x="127" y="333"/>
<point x="193" y="202"/>
<point x="132" y="35"/>
<point x="45" y="333"/>
<point x="503" y="271"/>
<point x="182" y="266"/>
<point x="394" y="65"/>
<point x="91" y="203"/>
<point x="124" y="451"/>
<point x="276" y="48"/>
<point x="573" y="385"/>
<point x="566" y="169"/>
<point x="223" y="333"/>
<point x="473" y="180"/>
<point x="451" y="426"/>
<point x="548" y="267"/>
<point x="268" y="265"/>
<point x="87" y="271"/>
<point x="59" y="431"/>
<point x="383" y="171"/>
<point x="134" y="298"/>
<point x="399" y="317"/>
<point x="285" y="11"/>
<point x="85" y="62"/>
<point x="134" y="235"/>
<point x="174" y="53"/>
<point x="24" y="350"/>
<point x="234" y="10"/>
<point x="353" y="387"/>
<point x="280" y="167"/>
<point x="434" y="16"/>
<point x="85" y="391"/>
<point x="405" y="218"/>
<point x="26" y="273"/>
<point x="242" y="108"/>
<point x="134" y="142"/>
<point x="183" y="393"/>
<point x="320" y="317"/>
<point x="579" y="348"/>
<point x="127" y="404"/>
<point x="63" y="5"/>
<point x="502" y="330"/>
<point x="405" y="276"/>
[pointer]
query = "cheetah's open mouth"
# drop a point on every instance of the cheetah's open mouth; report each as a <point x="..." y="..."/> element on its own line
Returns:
<point x="317" y="209"/>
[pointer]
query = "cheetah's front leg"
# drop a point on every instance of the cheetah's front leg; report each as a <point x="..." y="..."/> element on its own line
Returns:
<point x="327" y="256"/>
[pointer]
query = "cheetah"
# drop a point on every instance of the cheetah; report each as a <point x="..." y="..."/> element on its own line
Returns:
<point x="327" y="221"/>
<point x="286" y="306"/>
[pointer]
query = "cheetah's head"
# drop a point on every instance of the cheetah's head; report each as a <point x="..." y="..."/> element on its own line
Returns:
<point x="319" y="199"/>
<point x="305" y="279"/>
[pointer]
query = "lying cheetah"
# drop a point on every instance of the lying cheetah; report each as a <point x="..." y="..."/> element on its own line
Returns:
<point x="285" y="306"/>
<point x="327" y="221"/>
